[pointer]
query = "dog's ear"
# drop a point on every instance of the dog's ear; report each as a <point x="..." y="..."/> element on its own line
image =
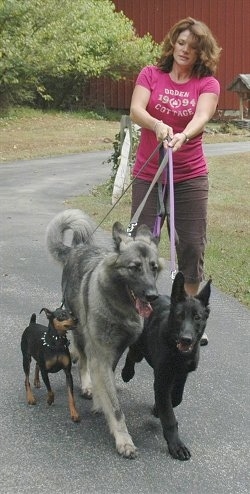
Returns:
<point x="48" y="313"/>
<point x="119" y="234"/>
<point x="204" y="295"/>
<point x="144" y="232"/>
<point x="178" y="291"/>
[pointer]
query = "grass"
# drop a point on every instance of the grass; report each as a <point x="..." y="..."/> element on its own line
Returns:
<point x="228" y="249"/>
<point x="27" y="134"/>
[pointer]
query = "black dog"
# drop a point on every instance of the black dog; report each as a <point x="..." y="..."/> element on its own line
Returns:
<point x="49" y="347"/>
<point x="170" y="343"/>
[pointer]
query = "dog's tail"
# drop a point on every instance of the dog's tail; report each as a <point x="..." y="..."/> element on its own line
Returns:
<point x="71" y="219"/>
<point x="33" y="318"/>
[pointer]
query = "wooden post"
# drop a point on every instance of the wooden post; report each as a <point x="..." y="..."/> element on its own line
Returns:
<point x="125" y="123"/>
<point x="241" y="106"/>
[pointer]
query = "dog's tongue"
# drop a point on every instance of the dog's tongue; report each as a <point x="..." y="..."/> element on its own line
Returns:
<point x="143" y="308"/>
<point x="184" y="347"/>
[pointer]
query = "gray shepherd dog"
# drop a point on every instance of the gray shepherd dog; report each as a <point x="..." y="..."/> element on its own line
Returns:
<point x="109" y="291"/>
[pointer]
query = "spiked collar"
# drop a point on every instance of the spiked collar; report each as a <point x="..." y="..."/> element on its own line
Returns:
<point x="53" y="341"/>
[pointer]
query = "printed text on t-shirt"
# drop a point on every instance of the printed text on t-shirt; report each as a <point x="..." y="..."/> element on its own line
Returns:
<point x="176" y="102"/>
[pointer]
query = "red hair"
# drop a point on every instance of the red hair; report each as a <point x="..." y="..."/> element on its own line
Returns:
<point x="208" y="51"/>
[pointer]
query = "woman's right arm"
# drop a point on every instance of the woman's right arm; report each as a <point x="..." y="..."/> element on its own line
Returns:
<point x="142" y="117"/>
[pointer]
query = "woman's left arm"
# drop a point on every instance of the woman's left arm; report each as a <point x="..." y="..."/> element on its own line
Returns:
<point x="205" y="109"/>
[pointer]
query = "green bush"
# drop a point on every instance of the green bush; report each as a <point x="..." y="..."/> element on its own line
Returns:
<point x="49" y="51"/>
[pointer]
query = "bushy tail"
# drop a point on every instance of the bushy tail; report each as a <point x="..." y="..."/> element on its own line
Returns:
<point x="71" y="219"/>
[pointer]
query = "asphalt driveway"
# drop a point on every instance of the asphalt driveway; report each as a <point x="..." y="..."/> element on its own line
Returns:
<point x="41" y="449"/>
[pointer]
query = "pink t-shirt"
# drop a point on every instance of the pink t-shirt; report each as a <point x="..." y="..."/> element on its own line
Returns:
<point x="175" y="105"/>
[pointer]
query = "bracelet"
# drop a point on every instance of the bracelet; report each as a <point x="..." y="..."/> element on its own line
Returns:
<point x="157" y="122"/>
<point x="186" y="137"/>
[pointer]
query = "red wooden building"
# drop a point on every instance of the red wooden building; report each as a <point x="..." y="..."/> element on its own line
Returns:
<point x="229" y="21"/>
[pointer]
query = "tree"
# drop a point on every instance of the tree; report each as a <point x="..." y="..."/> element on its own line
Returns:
<point x="49" y="48"/>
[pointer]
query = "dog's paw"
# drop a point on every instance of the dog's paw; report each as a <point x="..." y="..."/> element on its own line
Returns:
<point x="179" y="451"/>
<point x="86" y="384"/>
<point x="127" y="451"/>
<point x="32" y="400"/>
<point x="87" y="393"/>
<point x="125" y="445"/>
<point x="75" y="417"/>
<point x="50" y="397"/>
<point x="127" y="374"/>
<point x="204" y="340"/>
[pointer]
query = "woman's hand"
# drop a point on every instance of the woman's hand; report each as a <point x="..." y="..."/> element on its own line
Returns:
<point x="163" y="131"/>
<point x="177" y="141"/>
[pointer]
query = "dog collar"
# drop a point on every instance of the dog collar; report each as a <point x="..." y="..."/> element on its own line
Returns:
<point x="55" y="339"/>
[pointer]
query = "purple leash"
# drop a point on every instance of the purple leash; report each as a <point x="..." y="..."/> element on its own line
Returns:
<point x="166" y="158"/>
<point x="170" y="210"/>
<point x="172" y="220"/>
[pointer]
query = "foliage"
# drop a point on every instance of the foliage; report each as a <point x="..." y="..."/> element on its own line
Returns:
<point x="50" y="50"/>
<point x="115" y="156"/>
<point x="114" y="160"/>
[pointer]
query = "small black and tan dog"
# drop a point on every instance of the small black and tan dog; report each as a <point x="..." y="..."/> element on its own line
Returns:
<point x="170" y="342"/>
<point x="49" y="347"/>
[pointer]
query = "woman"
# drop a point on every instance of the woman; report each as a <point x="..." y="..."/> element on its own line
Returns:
<point x="175" y="99"/>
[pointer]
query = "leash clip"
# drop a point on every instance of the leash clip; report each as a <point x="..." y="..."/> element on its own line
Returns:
<point x="173" y="274"/>
<point x="131" y="228"/>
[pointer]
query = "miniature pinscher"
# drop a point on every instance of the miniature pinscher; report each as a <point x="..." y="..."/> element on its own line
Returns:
<point x="49" y="347"/>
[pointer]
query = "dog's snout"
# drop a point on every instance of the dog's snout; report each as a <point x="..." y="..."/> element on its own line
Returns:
<point x="151" y="296"/>
<point x="187" y="340"/>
